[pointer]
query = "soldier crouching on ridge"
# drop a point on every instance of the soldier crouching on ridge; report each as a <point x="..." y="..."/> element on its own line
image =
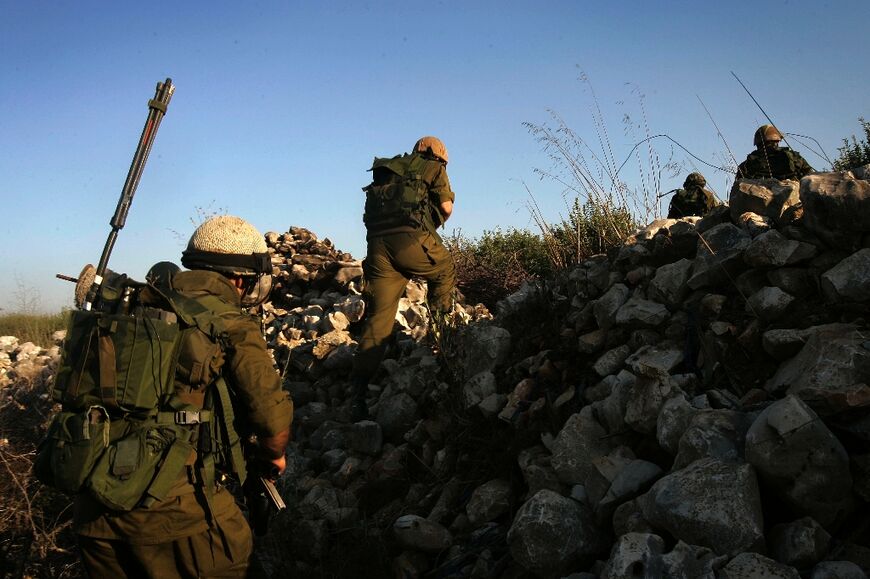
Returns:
<point x="186" y="524"/>
<point x="769" y="161"/>
<point x="692" y="199"/>
<point x="408" y="199"/>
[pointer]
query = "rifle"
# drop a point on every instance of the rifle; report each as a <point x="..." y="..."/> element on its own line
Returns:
<point x="89" y="281"/>
<point x="261" y="497"/>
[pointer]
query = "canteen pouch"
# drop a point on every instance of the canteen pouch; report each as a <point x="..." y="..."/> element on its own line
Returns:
<point x="72" y="446"/>
<point x="145" y="462"/>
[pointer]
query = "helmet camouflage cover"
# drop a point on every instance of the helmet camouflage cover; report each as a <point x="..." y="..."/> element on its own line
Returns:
<point x="766" y="133"/>
<point x="695" y="180"/>
<point x="232" y="246"/>
<point x="432" y="146"/>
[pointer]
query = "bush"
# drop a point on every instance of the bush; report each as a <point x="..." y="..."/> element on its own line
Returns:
<point x="495" y="265"/>
<point x="590" y="228"/>
<point x="855" y="153"/>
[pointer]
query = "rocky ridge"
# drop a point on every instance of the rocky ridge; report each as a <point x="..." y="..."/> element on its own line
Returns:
<point x="694" y="405"/>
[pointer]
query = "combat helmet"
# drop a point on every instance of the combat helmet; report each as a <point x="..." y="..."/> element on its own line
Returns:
<point x="695" y="180"/>
<point x="432" y="146"/>
<point x="766" y="133"/>
<point x="232" y="246"/>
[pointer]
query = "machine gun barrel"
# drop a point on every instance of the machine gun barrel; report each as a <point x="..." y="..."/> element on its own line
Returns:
<point x="156" y="110"/>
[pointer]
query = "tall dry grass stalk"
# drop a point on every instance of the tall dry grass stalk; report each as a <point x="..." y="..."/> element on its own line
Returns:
<point x="592" y="184"/>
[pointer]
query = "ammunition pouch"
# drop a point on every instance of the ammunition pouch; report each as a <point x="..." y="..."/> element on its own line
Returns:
<point x="71" y="448"/>
<point x="141" y="467"/>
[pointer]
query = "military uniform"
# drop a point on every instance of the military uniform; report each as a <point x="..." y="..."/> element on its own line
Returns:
<point x="691" y="201"/>
<point x="192" y="533"/>
<point x="396" y="254"/>
<point x="776" y="163"/>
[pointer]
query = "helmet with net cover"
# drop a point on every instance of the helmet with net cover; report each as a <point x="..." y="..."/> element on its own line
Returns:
<point x="431" y="146"/>
<point x="232" y="246"/>
<point x="766" y="133"/>
<point x="694" y="180"/>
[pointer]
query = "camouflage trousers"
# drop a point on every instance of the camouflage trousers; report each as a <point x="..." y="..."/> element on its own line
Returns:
<point x="391" y="261"/>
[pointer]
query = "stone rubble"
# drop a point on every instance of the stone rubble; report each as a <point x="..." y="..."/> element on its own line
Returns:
<point x="693" y="405"/>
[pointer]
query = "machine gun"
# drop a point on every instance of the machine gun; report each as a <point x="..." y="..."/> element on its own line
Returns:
<point x="91" y="279"/>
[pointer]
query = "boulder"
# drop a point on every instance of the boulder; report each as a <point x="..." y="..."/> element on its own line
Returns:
<point x="668" y="286"/>
<point x="836" y="208"/>
<point x="801" y="460"/>
<point x="720" y="256"/>
<point x="634" y="555"/>
<point x="773" y="249"/>
<point x="755" y="566"/>
<point x="485" y="346"/>
<point x="769" y="303"/>
<point x="849" y="280"/>
<point x="767" y="197"/>
<point x="692" y="562"/>
<point x="606" y="307"/>
<point x="489" y="501"/>
<point x="637" y="312"/>
<point x="550" y="533"/>
<point x="416" y="533"/>
<point x="801" y="543"/>
<point x="834" y="356"/>
<point x="710" y="503"/>
<point x="581" y="440"/>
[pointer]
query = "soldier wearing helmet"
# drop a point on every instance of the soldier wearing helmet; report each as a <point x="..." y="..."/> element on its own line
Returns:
<point x="198" y="530"/>
<point x="692" y="199"/>
<point x="770" y="161"/>
<point x="408" y="199"/>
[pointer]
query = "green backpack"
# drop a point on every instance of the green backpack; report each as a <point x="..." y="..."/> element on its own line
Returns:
<point x="398" y="195"/>
<point x="124" y="432"/>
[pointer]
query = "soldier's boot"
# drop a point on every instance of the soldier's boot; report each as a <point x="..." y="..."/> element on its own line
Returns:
<point x="359" y="410"/>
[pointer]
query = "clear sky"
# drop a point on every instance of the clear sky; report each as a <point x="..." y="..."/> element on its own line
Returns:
<point x="280" y="107"/>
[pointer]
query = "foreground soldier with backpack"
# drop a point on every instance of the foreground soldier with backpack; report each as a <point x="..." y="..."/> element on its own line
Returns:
<point x="158" y="384"/>
<point x="408" y="199"/>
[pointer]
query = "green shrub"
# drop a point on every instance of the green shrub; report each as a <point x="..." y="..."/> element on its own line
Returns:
<point x="590" y="228"/>
<point x="854" y="153"/>
<point x="495" y="265"/>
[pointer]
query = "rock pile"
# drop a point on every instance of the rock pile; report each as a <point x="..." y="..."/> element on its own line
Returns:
<point x="692" y="406"/>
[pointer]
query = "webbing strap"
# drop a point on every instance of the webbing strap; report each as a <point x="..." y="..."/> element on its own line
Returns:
<point x="108" y="371"/>
<point x="234" y="454"/>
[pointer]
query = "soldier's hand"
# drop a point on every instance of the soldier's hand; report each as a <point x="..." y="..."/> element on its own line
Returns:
<point x="280" y="464"/>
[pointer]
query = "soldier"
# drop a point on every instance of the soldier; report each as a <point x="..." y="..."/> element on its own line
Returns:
<point x="768" y="160"/>
<point x="692" y="199"/>
<point x="408" y="199"/>
<point x="197" y="530"/>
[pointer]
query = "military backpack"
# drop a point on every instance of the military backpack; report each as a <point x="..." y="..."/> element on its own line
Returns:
<point x="126" y="429"/>
<point x="398" y="196"/>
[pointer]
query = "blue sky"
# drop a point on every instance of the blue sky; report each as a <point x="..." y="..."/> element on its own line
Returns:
<point x="280" y="107"/>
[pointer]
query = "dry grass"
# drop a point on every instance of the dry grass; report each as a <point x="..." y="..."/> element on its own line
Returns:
<point x="35" y="535"/>
<point x="32" y="327"/>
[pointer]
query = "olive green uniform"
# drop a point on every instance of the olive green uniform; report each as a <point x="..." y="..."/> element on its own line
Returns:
<point x="691" y="201"/>
<point x="184" y="535"/>
<point x="780" y="163"/>
<point x="393" y="257"/>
